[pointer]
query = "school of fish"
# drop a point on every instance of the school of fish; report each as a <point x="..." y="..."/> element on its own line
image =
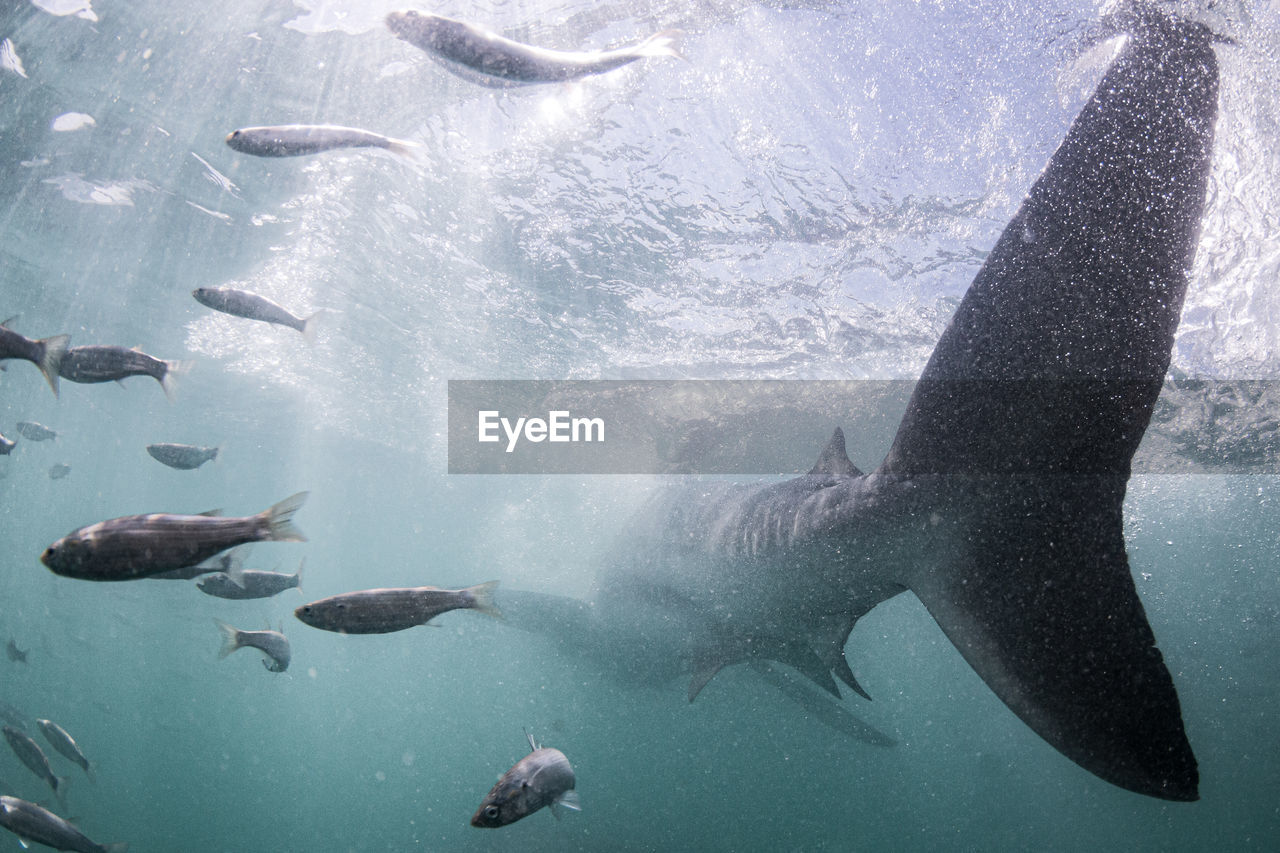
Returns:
<point x="208" y="547"/>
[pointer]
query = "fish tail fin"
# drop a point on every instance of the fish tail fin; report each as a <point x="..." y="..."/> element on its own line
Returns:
<point x="298" y="575"/>
<point x="665" y="43"/>
<point x="54" y="349"/>
<point x="406" y="149"/>
<point x="90" y="772"/>
<point x="234" y="568"/>
<point x="172" y="370"/>
<point x="280" y="519"/>
<point x="482" y="599"/>
<point x="309" y="328"/>
<point x="60" y="791"/>
<point x="230" y="638"/>
<point x="118" y="847"/>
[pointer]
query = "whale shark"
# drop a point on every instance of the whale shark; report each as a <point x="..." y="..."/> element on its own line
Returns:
<point x="1000" y="502"/>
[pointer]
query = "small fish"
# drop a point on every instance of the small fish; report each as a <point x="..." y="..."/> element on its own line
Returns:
<point x="6" y="446"/>
<point x="184" y="457"/>
<point x="65" y="744"/>
<point x="381" y="611"/>
<point x="32" y="431"/>
<point x="33" y="756"/>
<point x="31" y="822"/>
<point x="229" y="562"/>
<point x="541" y="778"/>
<point x="45" y="354"/>
<point x="251" y="306"/>
<point x="487" y="58"/>
<point x="58" y="471"/>
<point x="271" y="643"/>
<point x="292" y="140"/>
<point x="15" y="653"/>
<point x="112" y="364"/>
<point x="136" y="546"/>
<point x="249" y="583"/>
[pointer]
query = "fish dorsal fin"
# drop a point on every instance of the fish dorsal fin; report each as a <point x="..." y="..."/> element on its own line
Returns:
<point x="8" y="321"/>
<point x="211" y="513"/>
<point x="834" y="461"/>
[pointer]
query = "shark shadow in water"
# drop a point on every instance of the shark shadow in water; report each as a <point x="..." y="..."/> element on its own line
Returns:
<point x="1000" y="502"/>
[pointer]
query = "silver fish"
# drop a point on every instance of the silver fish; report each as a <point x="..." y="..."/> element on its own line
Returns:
<point x="251" y="306"/>
<point x="381" y="611"/>
<point x="271" y="643"/>
<point x="136" y="546"/>
<point x="6" y="446"/>
<point x="112" y="364"/>
<point x="45" y="354"/>
<point x="484" y="57"/>
<point x="249" y="583"/>
<point x="292" y="140"/>
<point x="184" y="457"/>
<point x="58" y="471"/>
<point x="34" y="758"/>
<point x="542" y="778"/>
<point x="32" y="431"/>
<point x="31" y="822"/>
<point x="65" y="744"/>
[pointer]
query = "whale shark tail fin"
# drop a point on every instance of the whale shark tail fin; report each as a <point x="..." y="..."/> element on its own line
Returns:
<point x="1043" y="607"/>
<point x="1034" y="402"/>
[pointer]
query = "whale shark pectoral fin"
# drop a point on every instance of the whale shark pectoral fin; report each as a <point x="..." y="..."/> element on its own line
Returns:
<point x="841" y="668"/>
<point x="806" y="661"/>
<point x="834" y="461"/>
<point x="1043" y="607"/>
<point x="819" y="706"/>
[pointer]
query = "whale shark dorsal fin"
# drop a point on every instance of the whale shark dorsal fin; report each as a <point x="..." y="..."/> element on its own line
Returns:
<point x="834" y="460"/>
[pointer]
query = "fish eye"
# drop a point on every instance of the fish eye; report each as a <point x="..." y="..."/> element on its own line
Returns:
<point x="491" y="812"/>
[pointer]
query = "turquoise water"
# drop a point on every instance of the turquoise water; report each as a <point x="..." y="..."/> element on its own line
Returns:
<point x="806" y="197"/>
